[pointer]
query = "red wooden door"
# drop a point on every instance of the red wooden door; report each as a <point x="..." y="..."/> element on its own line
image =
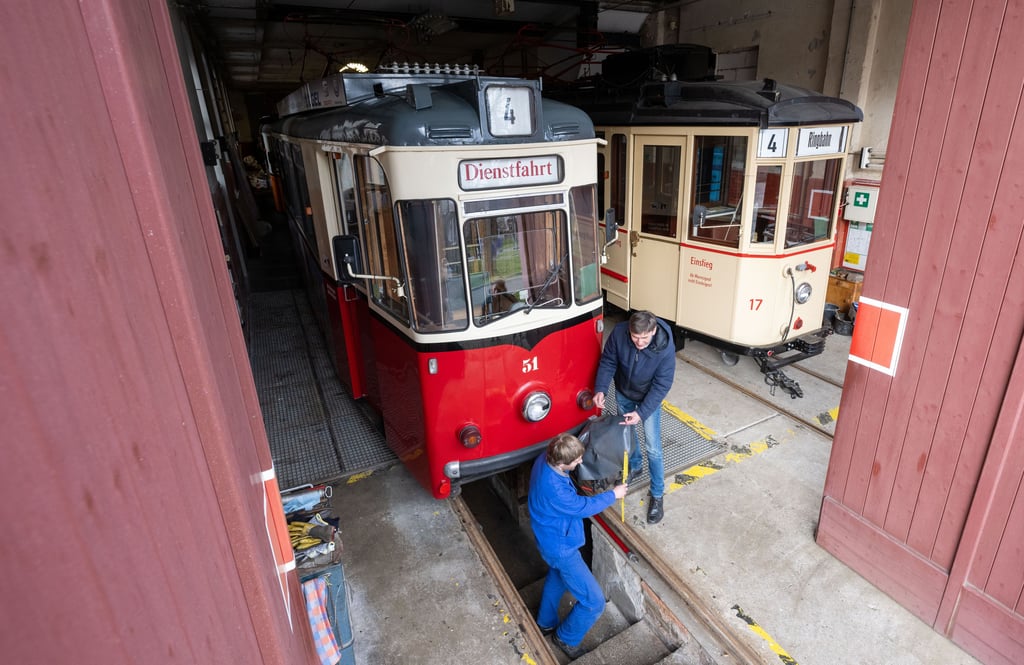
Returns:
<point x="923" y="494"/>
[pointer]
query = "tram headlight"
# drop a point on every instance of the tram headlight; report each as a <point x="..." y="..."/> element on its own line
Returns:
<point x="803" y="292"/>
<point x="536" y="406"/>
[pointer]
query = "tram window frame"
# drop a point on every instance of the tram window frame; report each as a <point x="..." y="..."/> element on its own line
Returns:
<point x="304" y="214"/>
<point x="718" y="176"/>
<point x="345" y="193"/>
<point x="381" y="248"/>
<point x="542" y="248"/>
<point x="435" y="286"/>
<point x="659" y="200"/>
<point x="584" y="239"/>
<point x="804" y="191"/>
<point x="767" y="204"/>
<point x="618" y="175"/>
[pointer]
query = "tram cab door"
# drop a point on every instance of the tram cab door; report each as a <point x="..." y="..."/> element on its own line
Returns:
<point x="655" y="225"/>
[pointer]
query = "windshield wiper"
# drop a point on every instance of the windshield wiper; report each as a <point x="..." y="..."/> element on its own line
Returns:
<point x="547" y="282"/>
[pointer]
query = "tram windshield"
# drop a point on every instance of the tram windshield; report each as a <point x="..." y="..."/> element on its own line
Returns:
<point x="513" y="260"/>
<point x="812" y="203"/>
<point x="516" y="262"/>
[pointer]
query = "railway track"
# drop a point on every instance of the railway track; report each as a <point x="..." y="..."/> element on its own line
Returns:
<point x="818" y="408"/>
<point x="652" y="616"/>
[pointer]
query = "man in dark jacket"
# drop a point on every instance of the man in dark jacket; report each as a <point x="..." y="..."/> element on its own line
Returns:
<point x="641" y="357"/>
<point x="556" y="516"/>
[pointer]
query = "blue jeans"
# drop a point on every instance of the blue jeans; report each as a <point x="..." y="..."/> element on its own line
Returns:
<point x="652" y="433"/>
<point x="570" y="574"/>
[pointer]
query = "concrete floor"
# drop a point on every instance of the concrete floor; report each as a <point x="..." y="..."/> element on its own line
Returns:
<point x="740" y="533"/>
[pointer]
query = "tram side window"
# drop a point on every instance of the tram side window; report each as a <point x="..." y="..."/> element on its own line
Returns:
<point x="766" y="203"/>
<point x="346" y="186"/>
<point x="380" y="238"/>
<point x="523" y="262"/>
<point x="719" y="167"/>
<point x="304" y="208"/>
<point x="815" y="184"/>
<point x="617" y="176"/>
<point x="436" y="289"/>
<point x="660" y="201"/>
<point x="583" y="227"/>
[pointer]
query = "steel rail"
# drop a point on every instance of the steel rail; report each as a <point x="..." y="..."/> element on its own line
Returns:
<point x="775" y="406"/>
<point x="714" y="626"/>
<point x="540" y="652"/>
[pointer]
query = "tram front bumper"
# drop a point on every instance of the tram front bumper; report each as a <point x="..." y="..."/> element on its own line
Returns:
<point x="466" y="471"/>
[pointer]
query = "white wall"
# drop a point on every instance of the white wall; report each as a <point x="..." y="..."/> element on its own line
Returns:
<point x="851" y="50"/>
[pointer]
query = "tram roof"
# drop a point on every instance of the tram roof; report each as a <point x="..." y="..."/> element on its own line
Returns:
<point x="764" y="103"/>
<point x="408" y="109"/>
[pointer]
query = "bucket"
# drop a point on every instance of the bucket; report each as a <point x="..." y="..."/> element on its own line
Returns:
<point x="830" y="313"/>
<point x="842" y="325"/>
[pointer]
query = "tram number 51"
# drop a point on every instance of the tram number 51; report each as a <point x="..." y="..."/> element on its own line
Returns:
<point x="755" y="304"/>
<point x="530" y="365"/>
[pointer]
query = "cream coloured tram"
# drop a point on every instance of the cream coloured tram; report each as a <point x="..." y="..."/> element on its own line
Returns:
<point x="727" y="194"/>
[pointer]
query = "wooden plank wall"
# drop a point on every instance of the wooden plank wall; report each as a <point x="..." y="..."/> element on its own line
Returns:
<point x="133" y="445"/>
<point x="910" y="450"/>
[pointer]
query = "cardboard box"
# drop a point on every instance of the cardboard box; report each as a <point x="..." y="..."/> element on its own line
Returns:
<point x="843" y="293"/>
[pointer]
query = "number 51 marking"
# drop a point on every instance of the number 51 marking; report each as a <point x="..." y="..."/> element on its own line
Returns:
<point x="530" y="365"/>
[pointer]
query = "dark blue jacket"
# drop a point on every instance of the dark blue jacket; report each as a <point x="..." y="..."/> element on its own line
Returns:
<point x="557" y="511"/>
<point x="641" y="376"/>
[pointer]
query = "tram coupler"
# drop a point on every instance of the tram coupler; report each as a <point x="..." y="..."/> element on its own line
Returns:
<point x="776" y="378"/>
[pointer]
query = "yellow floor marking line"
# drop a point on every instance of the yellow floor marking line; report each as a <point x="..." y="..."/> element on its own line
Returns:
<point x="829" y="416"/>
<point x="356" y="477"/>
<point x="772" y="644"/>
<point x="688" y="420"/>
<point x="736" y="455"/>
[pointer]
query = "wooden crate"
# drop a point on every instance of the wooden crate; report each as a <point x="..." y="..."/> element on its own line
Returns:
<point x="842" y="293"/>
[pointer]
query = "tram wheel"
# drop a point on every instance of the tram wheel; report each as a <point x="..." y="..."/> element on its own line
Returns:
<point x="729" y="358"/>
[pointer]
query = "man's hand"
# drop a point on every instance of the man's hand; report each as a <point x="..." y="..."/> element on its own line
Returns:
<point x="631" y="418"/>
<point x="599" y="400"/>
<point x="620" y="491"/>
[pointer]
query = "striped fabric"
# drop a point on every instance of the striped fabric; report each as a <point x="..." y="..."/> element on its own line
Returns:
<point x="315" y="592"/>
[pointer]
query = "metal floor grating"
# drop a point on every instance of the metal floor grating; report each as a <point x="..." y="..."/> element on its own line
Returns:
<point x="316" y="431"/>
<point x="681" y="446"/>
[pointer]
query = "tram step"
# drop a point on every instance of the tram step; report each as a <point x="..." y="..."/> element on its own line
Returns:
<point x="610" y="623"/>
<point x="638" y="644"/>
<point x="680" y="657"/>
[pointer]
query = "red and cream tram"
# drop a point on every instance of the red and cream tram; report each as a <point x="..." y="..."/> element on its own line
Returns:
<point x="727" y="194"/>
<point x="449" y="227"/>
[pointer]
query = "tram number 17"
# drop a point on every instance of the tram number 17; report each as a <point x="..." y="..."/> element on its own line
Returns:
<point x="755" y="304"/>
<point x="530" y="365"/>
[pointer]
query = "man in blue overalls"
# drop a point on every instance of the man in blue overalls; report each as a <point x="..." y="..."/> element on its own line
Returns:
<point x="556" y="515"/>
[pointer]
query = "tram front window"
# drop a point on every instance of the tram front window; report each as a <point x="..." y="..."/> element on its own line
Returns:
<point x="815" y="184"/>
<point x="433" y="262"/>
<point x="766" y="203"/>
<point x="719" y="169"/>
<point x="517" y="262"/>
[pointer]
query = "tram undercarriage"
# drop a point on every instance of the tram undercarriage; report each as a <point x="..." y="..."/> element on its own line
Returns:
<point x="770" y="359"/>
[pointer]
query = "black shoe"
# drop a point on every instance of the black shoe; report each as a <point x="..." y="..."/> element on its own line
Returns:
<point x="633" y="476"/>
<point x="572" y="652"/>
<point x="656" y="509"/>
<point x="546" y="630"/>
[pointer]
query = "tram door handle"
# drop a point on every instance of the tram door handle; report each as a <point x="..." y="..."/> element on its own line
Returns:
<point x="634" y="240"/>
